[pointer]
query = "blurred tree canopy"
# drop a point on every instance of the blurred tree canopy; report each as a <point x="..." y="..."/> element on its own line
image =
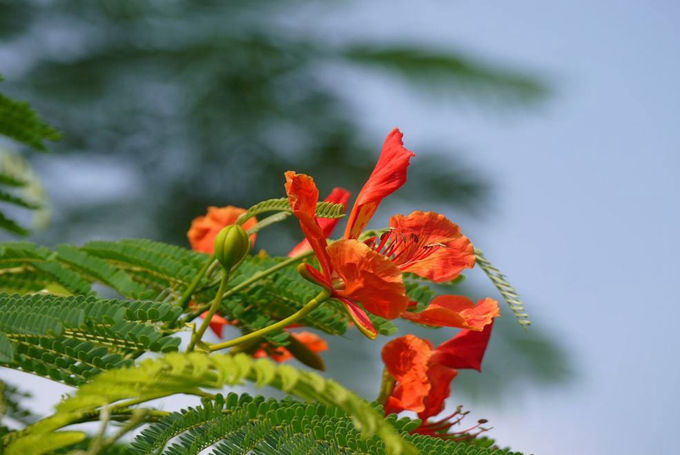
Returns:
<point x="212" y="101"/>
<point x="209" y="102"/>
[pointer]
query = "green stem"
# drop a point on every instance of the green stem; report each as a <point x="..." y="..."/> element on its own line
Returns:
<point x="190" y="290"/>
<point x="249" y="281"/>
<point x="196" y="337"/>
<point x="302" y="312"/>
<point x="268" y="222"/>
<point x="386" y="387"/>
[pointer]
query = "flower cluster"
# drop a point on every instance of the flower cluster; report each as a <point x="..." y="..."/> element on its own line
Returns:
<point x="365" y="272"/>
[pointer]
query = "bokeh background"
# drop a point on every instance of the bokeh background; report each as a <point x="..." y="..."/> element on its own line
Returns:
<point x="547" y="130"/>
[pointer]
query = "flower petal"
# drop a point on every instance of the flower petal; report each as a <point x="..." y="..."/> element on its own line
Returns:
<point x="456" y="311"/>
<point x="217" y="323"/>
<point x="360" y="318"/>
<point x="450" y="253"/>
<point x="310" y="341"/>
<point x="313" y="341"/>
<point x="303" y="196"/>
<point x="311" y="274"/>
<point x="465" y="350"/>
<point x="388" y="175"/>
<point x="406" y="359"/>
<point x="369" y="278"/>
<point x="204" y="229"/>
<point x="337" y="196"/>
<point x="440" y="377"/>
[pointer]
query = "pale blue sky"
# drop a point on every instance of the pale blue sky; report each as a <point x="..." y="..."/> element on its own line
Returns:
<point x="586" y="220"/>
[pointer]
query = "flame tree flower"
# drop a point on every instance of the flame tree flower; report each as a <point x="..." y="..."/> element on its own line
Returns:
<point x="420" y="375"/>
<point x="337" y="196"/>
<point x="370" y="272"/>
<point x="204" y="229"/>
<point x="350" y="270"/>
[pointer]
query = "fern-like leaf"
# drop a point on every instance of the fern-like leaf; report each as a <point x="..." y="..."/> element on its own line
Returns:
<point x="184" y="373"/>
<point x="253" y="425"/>
<point x="71" y="339"/>
<point x="21" y="123"/>
<point x="504" y="287"/>
<point x="323" y="209"/>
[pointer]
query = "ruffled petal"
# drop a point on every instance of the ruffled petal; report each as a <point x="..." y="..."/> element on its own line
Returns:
<point x="406" y="359"/>
<point x="465" y="350"/>
<point x="440" y="377"/>
<point x="369" y="278"/>
<point x="456" y="311"/>
<point x="204" y="229"/>
<point x="442" y="250"/>
<point x="388" y="175"/>
<point x="337" y="196"/>
<point x="303" y="196"/>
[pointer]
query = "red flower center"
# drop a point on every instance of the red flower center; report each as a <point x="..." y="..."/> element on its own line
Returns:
<point x="403" y="250"/>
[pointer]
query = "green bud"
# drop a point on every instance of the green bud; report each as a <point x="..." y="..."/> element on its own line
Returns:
<point x="231" y="246"/>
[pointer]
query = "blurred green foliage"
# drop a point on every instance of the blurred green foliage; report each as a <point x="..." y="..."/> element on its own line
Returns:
<point x="211" y="101"/>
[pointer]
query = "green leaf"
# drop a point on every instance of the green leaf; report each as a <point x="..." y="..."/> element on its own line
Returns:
<point x="6" y="349"/>
<point x="71" y="339"/>
<point x="430" y="68"/>
<point x="10" y="225"/>
<point x="16" y="200"/>
<point x="241" y="424"/>
<point x="45" y="443"/>
<point x="184" y="373"/>
<point x="21" y="123"/>
<point x="504" y="287"/>
<point x="323" y="209"/>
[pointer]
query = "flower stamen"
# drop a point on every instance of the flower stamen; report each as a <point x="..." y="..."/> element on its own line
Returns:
<point x="402" y="250"/>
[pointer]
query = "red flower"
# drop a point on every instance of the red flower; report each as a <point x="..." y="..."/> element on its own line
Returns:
<point x="424" y="243"/>
<point x="280" y="354"/>
<point x="423" y="375"/>
<point x="204" y="229"/>
<point x="217" y="323"/>
<point x="427" y="244"/>
<point x="456" y="311"/>
<point x="388" y="176"/>
<point x="367" y="277"/>
<point x="338" y="196"/>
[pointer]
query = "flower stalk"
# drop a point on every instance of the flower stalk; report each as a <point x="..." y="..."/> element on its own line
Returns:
<point x="186" y="297"/>
<point x="386" y="387"/>
<point x="302" y="312"/>
<point x="253" y="279"/>
<point x="196" y="337"/>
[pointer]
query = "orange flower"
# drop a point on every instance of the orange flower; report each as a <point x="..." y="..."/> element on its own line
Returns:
<point x="338" y="196"/>
<point x="217" y="323"/>
<point x="280" y="354"/>
<point x="388" y="176"/>
<point x="424" y="243"/>
<point x="456" y="311"/>
<point x="423" y="375"/>
<point x="204" y="229"/>
<point x="367" y="277"/>
<point x="427" y="244"/>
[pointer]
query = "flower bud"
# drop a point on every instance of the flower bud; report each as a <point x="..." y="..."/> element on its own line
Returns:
<point x="231" y="246"/>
